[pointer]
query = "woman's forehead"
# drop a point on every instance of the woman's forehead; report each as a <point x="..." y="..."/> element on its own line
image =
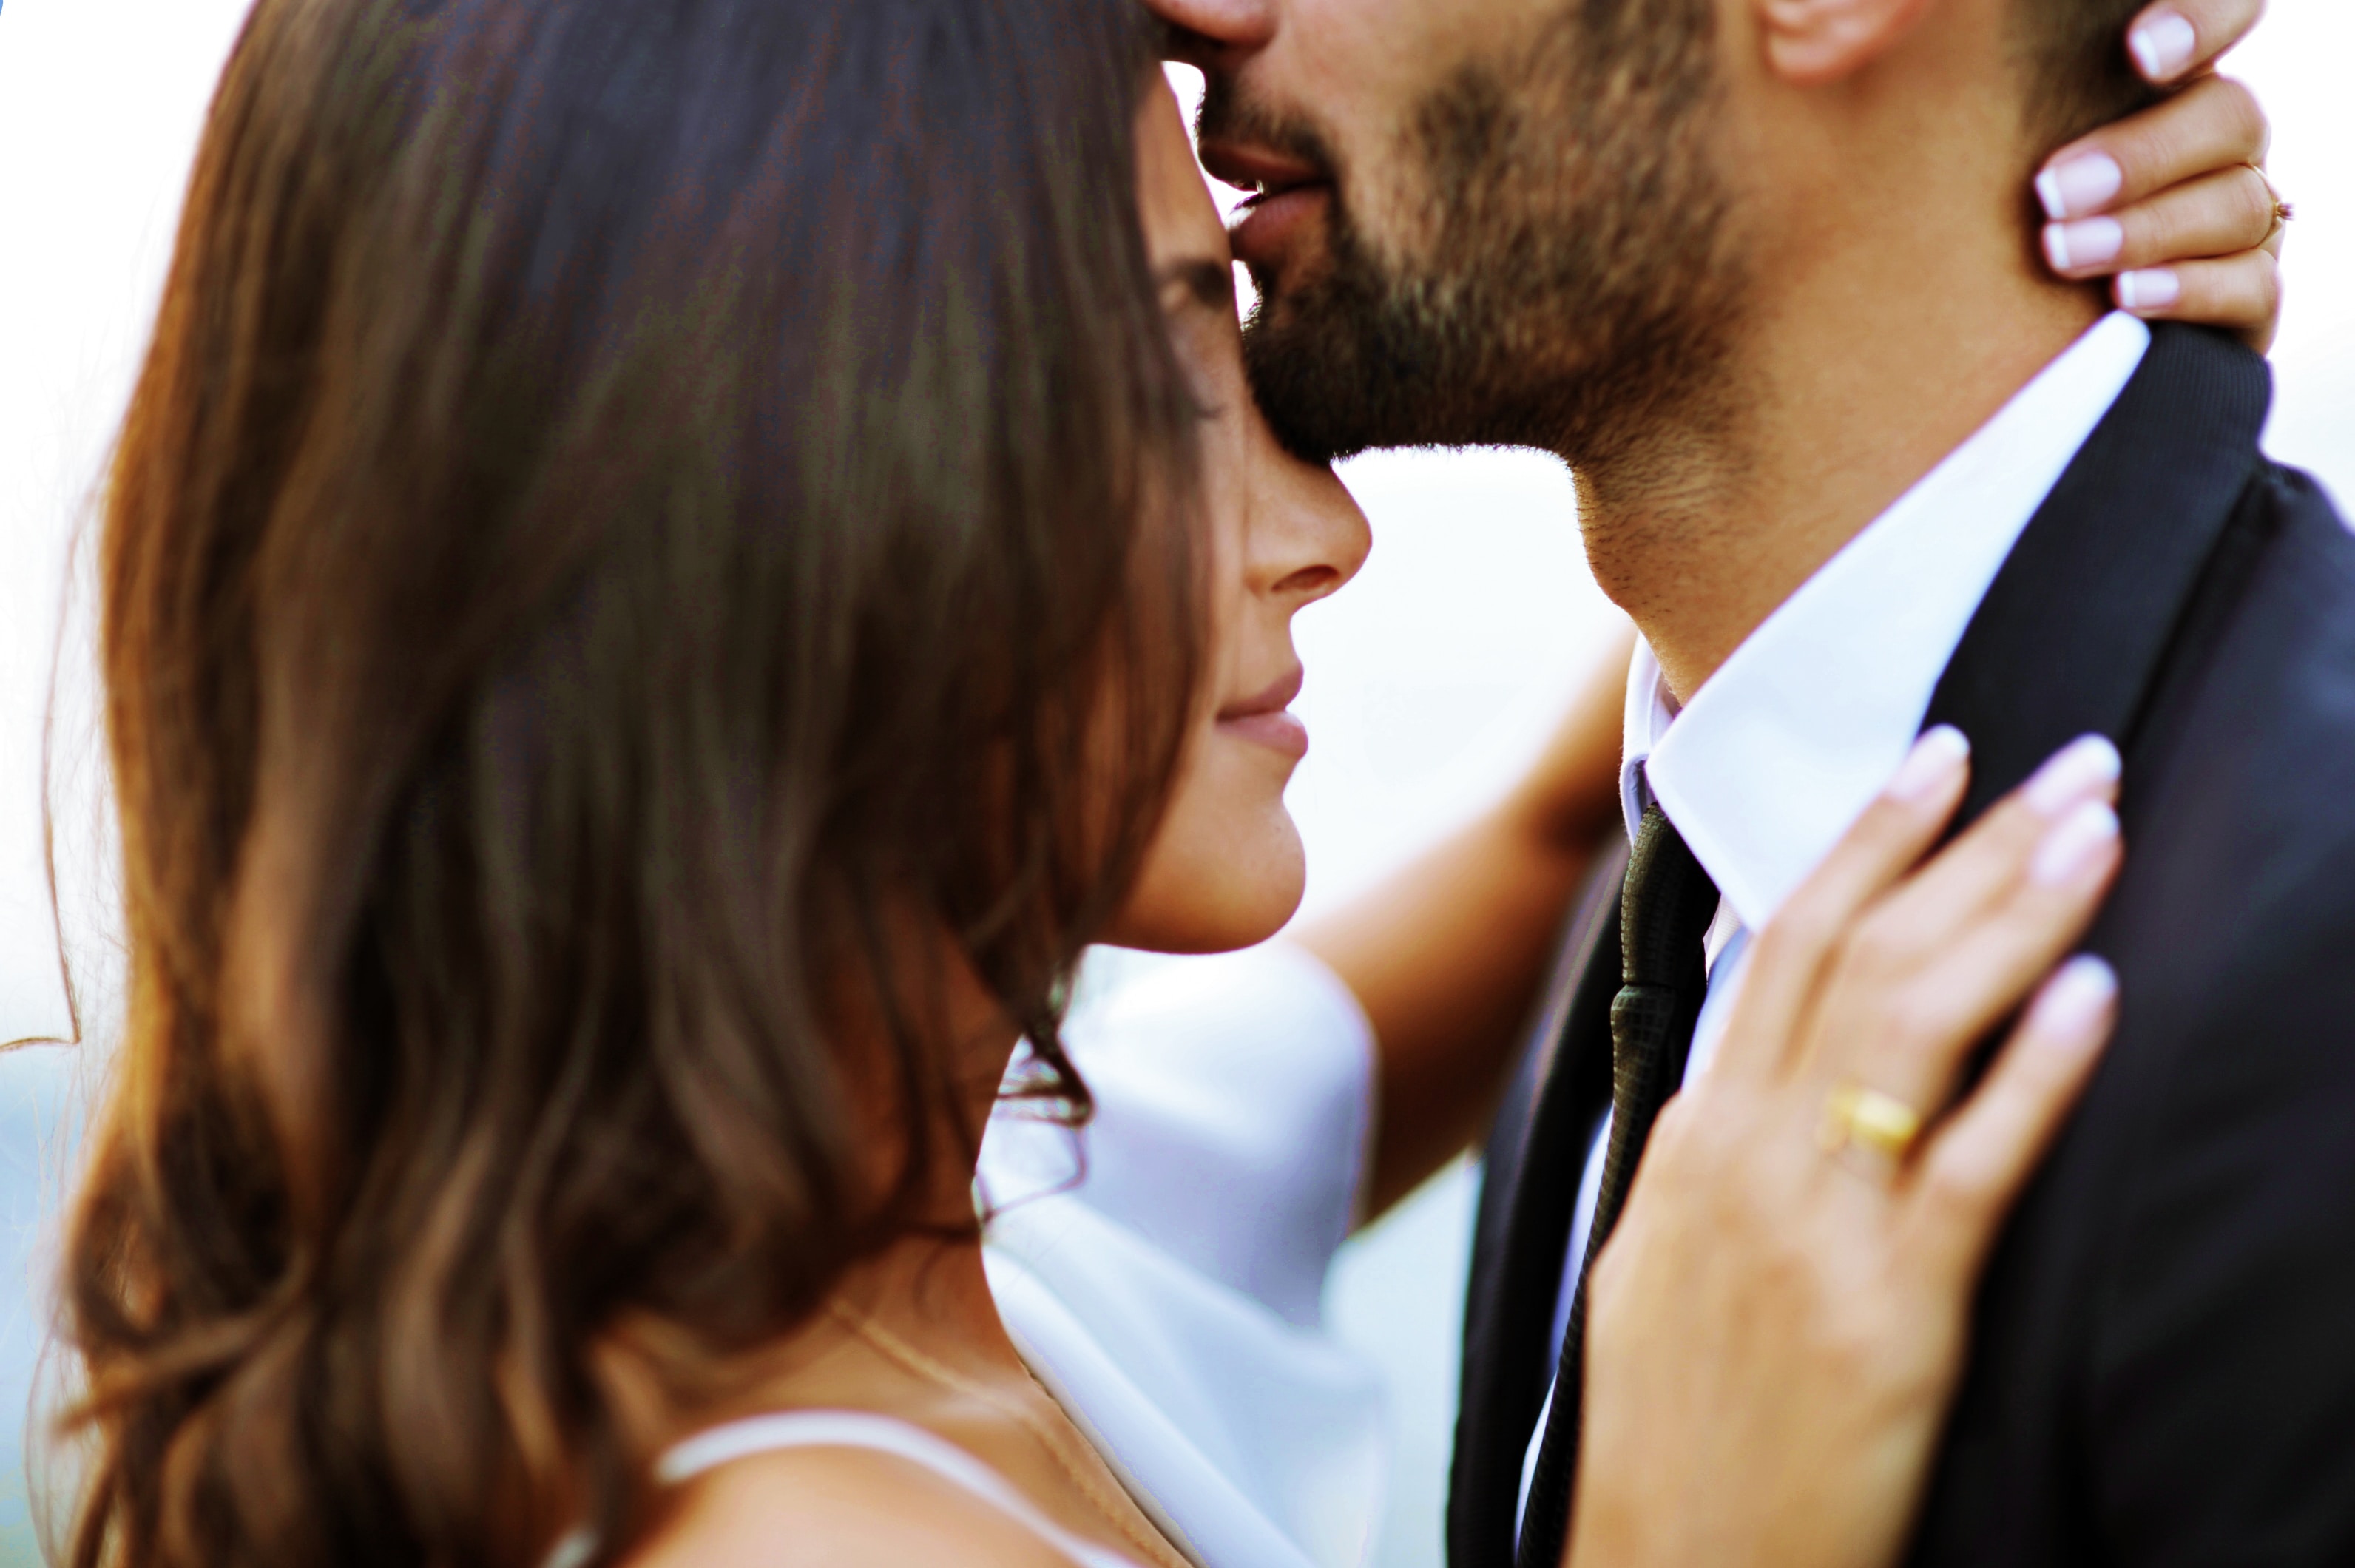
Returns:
<point x="1181" y="221"/>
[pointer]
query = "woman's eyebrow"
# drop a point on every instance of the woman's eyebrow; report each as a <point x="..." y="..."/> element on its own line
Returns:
<point x="1210" y="281"/>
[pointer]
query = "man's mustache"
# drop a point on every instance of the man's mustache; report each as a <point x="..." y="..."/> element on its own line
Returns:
<point x="1230" y="115"/>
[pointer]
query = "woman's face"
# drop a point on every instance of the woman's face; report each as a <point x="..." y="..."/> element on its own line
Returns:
<point x="1226" y="870"/>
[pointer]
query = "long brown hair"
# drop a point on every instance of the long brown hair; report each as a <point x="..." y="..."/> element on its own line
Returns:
<point x="629" y="500"/>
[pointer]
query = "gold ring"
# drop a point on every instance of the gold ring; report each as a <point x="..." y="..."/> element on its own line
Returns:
<point x="2283" y="210"/>
<point x="1866" y="1118"/>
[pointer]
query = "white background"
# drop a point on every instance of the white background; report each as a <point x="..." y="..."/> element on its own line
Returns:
<point x="1428" y="679"/>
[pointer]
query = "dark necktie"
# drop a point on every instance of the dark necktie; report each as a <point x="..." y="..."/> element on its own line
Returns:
<point x="1665" y="914"/>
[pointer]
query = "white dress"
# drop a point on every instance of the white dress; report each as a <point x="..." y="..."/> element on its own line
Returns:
<point x="1162" y="1270"/>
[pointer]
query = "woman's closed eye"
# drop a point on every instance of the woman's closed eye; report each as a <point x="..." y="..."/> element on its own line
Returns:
<point x="1199" y="281"/>
<point x="1198" y="295"/>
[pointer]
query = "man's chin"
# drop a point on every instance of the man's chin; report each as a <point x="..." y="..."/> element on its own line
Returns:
<point x="1329" y="381"/>
<point x="1338" y="360"/>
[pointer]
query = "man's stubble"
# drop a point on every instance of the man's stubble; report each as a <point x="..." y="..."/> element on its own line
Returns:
<point x="1567" y="278"/>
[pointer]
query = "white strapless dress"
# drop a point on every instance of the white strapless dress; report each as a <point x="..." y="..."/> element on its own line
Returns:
<point x="1162" y="1270"/>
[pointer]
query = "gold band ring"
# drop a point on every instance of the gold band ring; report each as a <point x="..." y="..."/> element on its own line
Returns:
<point x="2283" y="210"/>
<point x="1855" y="1116"/>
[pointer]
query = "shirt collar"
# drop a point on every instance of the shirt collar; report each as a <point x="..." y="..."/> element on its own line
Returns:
<point x="1785" y="746"/>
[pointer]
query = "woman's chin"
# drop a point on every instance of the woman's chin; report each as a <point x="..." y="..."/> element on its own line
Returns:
<point x="1214" y="892"/>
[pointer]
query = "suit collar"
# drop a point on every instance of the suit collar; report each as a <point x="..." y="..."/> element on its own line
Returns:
<point x="1786" y="744"/>
<point x="2070" y="637"/>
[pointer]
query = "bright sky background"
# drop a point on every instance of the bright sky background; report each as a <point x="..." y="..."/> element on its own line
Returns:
<point x="1429" y="679"/>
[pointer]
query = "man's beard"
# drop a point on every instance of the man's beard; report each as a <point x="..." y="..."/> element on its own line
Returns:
<point x="1570" y="283"/>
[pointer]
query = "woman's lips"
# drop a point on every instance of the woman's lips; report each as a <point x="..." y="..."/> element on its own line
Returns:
<point x="1278" y="732"/>
<point x="1264" y="721"/>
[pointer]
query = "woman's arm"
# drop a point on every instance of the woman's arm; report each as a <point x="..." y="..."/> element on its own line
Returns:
<point x="1446" y="956"/>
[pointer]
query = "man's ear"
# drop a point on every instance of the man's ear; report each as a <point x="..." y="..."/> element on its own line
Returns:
<point x="1811" y="42"/>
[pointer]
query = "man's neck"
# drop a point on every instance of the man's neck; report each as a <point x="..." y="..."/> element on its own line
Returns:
<point x="1872" y="355"/>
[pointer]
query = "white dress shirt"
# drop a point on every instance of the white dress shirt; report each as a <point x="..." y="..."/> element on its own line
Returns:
<point x="1168" y="1291"/>
<point x="1781" y="751"/>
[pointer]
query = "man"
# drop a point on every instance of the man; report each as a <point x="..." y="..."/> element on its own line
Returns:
<point x="1855" y="464"/>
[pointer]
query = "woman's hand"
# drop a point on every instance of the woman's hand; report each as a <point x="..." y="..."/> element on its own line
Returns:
<point x="1777" y="1324"/>
<point x="2172" y="201"/>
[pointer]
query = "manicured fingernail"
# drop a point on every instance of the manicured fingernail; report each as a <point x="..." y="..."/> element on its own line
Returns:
<point x="2075" y="1003"/>
<point x="2088" y="242"/>
<point x="2153" y="288"/>
<point x="2084" y="184"/>
<point x="1930" y="763"/>
<point x="2086" y="764"/>
<point x="2075" y="846"/>
<point x="2163" y="46"/>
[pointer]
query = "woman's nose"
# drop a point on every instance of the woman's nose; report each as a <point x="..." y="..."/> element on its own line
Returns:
<point x="1307" y="536"/>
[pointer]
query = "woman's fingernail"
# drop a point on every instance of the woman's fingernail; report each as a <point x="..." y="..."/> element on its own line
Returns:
<point x="2086" y="243"/>
<point x="2076" y="846"/>
<point x="2083" y="183"/>
<point x="2075" y="1003"/>
<point x="2163" y="45"/>
<point x="2084" y="765"/>
<point x="2153" y="288"/>
<point x="1930" y="763"/>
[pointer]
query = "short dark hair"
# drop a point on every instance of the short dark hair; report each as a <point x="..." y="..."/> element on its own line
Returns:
<point x="2078" y="74"/>
<point x="630" y="504"/>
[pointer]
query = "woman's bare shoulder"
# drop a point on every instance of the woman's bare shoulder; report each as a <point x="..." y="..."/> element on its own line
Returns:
<point x="839" y="1508"/>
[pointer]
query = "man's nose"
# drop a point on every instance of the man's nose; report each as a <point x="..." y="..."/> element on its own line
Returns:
<point x="1210" y="32"/>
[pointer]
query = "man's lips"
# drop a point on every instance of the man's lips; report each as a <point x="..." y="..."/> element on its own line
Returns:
<point x="1269" y="226"/>
<point x="1284" y="193"/>
<point x="1256" y="169"/>
<point x="1262" y="719"/>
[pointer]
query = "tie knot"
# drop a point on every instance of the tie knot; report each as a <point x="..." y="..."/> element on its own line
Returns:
<point x="1666" y="909"/>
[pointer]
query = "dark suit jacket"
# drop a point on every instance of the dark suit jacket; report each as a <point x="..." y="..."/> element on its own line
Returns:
<point x="2163" y="1369"/>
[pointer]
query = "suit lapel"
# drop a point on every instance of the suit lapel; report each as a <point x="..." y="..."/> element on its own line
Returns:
<point x="1529" y="1192"/>
<point x="2070" y="639"/>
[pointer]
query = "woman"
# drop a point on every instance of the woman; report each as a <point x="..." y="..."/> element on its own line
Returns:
<point x="669" y="567"/>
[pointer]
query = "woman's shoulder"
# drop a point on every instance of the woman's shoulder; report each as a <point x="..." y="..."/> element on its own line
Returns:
<point x="821" y="1508"/>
